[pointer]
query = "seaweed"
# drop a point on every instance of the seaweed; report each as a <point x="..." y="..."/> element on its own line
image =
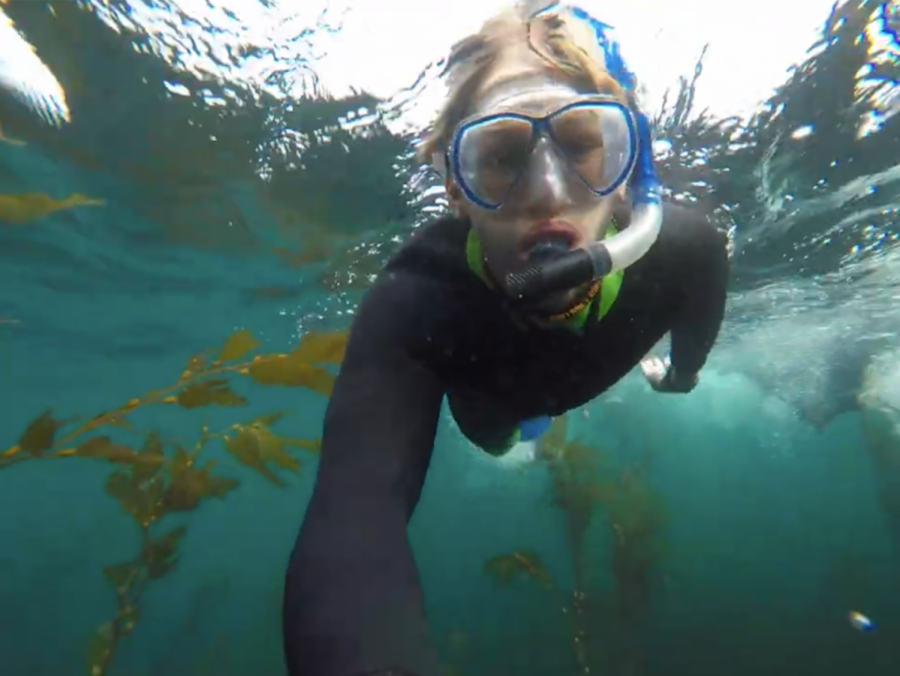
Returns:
<point x="574" y="470"/>
<point x="507" y="567"/>
<point x="584" y="483"/>
<point x="163" y="477"/>
<point x="34" y="206"/>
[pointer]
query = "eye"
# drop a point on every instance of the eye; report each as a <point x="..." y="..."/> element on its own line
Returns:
<point x="506" y="158"/>
<point x="583" y="146"/>
<point x="578" y="133"/>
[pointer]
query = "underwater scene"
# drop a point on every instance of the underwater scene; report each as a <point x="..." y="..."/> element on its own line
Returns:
<point x="196" y="194"/>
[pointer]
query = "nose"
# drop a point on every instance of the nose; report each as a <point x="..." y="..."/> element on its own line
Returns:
<point x="542" y="187"/>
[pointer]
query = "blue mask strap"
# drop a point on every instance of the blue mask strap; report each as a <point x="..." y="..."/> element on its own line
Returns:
<point x="645" y="184"/>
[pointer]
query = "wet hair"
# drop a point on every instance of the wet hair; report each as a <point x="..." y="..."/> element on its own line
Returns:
<point x="566" y="45"/>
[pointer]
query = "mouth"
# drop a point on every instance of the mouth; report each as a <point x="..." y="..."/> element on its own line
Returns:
<point x="548" y="240"/>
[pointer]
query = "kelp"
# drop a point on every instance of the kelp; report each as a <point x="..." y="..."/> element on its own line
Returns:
<point x="522" y="563"/>
<point x="636" y="518"/>
<point x="577" y="490"/>
<point x="160" y="477"/>
<point x="20" y="209"/>
<point x="583" y="484"/>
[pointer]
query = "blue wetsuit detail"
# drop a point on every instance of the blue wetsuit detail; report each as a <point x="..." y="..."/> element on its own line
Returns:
<point x="532" y="428"/>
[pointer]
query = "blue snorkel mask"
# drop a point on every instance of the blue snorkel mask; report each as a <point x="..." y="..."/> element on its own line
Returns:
<point x="600" y="258"/>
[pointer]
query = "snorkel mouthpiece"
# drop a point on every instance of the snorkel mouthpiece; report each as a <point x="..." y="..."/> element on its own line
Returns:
<point x="560" y="273"/>
<point x="582" y="266"/>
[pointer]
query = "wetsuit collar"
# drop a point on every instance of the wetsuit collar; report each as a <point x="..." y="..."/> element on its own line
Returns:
<point x="600" y="299"/>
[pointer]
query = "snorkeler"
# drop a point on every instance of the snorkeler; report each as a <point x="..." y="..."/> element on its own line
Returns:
<point x="542" y="290"/>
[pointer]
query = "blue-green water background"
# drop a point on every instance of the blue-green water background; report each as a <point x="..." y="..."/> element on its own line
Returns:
<point x="774" y="529"/>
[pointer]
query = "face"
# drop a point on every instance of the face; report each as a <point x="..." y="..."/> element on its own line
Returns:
<point x="549" y="200"/>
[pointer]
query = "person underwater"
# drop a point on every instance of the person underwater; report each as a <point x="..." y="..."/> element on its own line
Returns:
<point x="557" y="272"/>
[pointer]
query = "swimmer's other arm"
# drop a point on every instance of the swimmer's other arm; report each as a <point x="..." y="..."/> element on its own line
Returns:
<point x="702" y="251"/>
<point x="353" y="602"/>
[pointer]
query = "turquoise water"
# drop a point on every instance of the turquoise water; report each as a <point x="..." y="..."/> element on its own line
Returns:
<point x="244" y="188"/>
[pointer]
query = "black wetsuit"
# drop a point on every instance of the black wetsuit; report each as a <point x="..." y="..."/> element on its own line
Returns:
<point x="431" y="327"/>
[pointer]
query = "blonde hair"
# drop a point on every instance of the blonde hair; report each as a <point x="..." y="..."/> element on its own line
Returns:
<point x="566" y="44"/>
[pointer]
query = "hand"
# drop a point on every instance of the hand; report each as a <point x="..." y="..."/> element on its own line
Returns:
<point x="663" y="378"/>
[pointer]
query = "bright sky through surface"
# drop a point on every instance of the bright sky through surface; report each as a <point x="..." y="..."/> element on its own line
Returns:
<point x="381" y="46"/>
<point x="385" y="44"/>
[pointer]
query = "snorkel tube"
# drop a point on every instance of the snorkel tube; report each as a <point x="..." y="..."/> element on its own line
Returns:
<point x="599" y="259"/>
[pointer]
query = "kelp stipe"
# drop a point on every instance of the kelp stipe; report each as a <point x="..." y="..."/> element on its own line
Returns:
<point x="583" y="484"/>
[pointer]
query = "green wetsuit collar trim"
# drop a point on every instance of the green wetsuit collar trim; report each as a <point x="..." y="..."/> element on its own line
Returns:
<point x="609" y="290"/>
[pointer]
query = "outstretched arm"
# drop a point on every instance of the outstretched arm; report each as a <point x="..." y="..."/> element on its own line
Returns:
<point x="704" y="269"/>
<point x="353" y="602"/>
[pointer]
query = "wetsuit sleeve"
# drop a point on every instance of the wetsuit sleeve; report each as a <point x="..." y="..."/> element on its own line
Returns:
<point x="703" y="267"/>
<point x="353" y="602"/>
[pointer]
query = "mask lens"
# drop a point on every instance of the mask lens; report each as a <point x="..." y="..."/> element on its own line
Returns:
<point x="598" y="142"/>
<point x="491" y="155"/>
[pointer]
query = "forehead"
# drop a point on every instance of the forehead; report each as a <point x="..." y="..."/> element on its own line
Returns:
<point x="533" y="93"/>
<point x="519" y="79"/>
